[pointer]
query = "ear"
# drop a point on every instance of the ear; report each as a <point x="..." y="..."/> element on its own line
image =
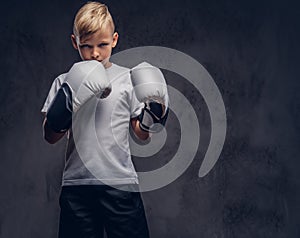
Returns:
<point x="74" y="42"/>
<point x="115" y="39"/>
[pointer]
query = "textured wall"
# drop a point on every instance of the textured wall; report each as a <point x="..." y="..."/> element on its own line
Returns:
<point x="251" y="48"/>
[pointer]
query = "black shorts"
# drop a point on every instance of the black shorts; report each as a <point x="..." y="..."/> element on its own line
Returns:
<point x="87" y="210"/>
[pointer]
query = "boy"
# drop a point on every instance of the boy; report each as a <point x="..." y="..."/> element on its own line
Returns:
<point x="88" y="204"/>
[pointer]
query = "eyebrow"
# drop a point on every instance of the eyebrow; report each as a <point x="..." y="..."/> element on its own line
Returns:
<point x="102" y="42"/>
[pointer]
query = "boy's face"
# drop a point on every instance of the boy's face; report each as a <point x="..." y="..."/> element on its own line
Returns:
<point x="97" y="46"/>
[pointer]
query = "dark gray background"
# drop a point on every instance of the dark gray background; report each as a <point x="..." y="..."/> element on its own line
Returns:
<point x="251" y="48"/>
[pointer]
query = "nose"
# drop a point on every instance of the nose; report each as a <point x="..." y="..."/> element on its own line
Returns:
<point x="95" y="54"/>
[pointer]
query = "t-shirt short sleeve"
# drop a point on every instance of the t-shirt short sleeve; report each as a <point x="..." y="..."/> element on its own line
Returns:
<point x="52" y="92"/>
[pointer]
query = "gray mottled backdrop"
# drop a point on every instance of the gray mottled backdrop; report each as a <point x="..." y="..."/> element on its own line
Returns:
<point x="251" y="48"/>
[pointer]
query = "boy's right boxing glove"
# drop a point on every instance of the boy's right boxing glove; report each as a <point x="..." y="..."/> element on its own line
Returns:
<point x="84" y="80"/>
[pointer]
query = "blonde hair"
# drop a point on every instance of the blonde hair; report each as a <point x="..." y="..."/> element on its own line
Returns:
<point x="91" y="17"/>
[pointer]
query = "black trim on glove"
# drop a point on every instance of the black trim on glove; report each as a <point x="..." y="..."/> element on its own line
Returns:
<point x="151" y="118"/>
<point x="59" y="114"/>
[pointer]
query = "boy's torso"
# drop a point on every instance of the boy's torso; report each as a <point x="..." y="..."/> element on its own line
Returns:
<point x="98" y="147"/>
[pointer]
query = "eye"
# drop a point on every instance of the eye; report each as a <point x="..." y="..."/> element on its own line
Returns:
<point x="103" y="44"/>
<point x="85" y="46"/>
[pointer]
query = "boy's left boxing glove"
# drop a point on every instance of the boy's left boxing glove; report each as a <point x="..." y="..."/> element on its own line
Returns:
<point x="84" y="80"/>
<point x="150" y="88"/>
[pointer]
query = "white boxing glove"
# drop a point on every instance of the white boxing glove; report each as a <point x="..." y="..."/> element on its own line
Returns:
<point x="84" y="80"/>
<point x="150" y="88"/>
<point x="87" y="79"/>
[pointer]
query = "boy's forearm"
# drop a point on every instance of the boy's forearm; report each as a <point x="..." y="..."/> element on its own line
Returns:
<point x="142" y="135"/>
<point x="49" y="135"/>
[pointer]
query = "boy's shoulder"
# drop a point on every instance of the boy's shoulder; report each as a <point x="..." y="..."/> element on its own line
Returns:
<point x="61" y="77"/>
<point x="58" y="81"/>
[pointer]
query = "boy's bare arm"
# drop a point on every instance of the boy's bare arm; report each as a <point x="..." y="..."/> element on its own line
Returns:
<point x="143" y="135"/>
<point x="49" y="135"/>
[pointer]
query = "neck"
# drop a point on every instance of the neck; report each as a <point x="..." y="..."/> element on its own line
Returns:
<point x="107" y="65"/>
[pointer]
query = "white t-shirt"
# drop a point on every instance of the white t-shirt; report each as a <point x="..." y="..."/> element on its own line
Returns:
<point x="98" y="146"/>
